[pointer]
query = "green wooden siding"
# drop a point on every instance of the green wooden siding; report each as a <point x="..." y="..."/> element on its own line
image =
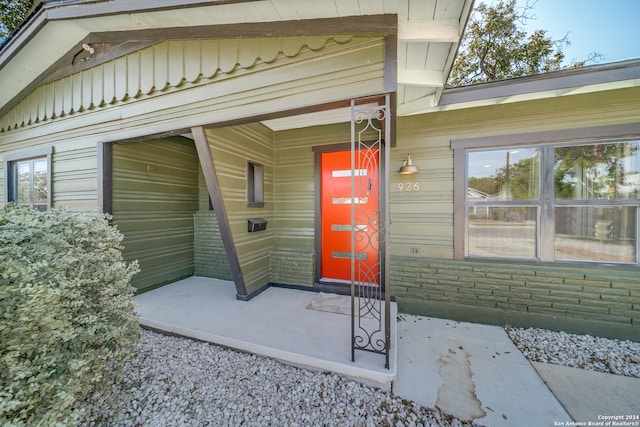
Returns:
<point x="425" y="279"/>
<point x="149" y="71"/>
<point x="231" y="149"/>
<point x="155" y="194"/>
<point x="73" y="171"/>
<point x="295" y="182"/>
<point x="600" y="300"/>
<point x="285" y="253"/>
<point x="295" y="197"/>
<point x="423" y="219"/>
<point x="164" y="88"/>
<point x="276" y="73"/>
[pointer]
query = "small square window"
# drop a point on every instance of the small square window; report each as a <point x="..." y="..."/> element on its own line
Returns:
<point x="255" y="185"/>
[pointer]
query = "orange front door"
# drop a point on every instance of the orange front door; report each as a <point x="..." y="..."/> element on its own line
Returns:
<point x="336" y="216"/>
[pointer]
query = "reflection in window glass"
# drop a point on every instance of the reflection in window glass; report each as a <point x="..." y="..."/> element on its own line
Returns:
<point x="40" y="182"/>
<point x="31" y="183"/>
<point x="586" y="206"/>
<point x="502" y="175"/>
<point x="606" y="171"/>
<point x="503" y="231"/>
<point x="23" y="183"/>
<point x="604" y="234"/>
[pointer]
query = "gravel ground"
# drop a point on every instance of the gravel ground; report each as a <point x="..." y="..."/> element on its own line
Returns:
<point x="176" y="381"/>
<point x="580" y="351"/>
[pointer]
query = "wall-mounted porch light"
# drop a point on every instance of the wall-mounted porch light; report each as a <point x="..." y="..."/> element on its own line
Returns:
<point x="408" y="168"/>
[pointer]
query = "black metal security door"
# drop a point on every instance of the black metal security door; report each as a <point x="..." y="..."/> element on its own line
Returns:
<point x="370" y="299"/>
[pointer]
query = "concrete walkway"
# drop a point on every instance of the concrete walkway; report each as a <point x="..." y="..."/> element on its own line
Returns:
<point x="591" y="396"/>
<point x="471" y="371"/>
<point x="468" y="370"/>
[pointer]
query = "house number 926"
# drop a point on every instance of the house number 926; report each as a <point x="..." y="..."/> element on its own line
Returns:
<point x="408" y="186"/>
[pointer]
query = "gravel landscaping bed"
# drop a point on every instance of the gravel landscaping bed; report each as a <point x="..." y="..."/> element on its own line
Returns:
<point x="179" y="381"/>
<point x="580" y="351"/>
<point x="176" y="381"/>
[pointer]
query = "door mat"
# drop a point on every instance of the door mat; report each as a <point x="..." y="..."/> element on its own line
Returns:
<point x="331" y="303"/>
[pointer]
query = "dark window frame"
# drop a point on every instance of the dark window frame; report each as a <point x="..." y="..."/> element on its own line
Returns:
<point x="255" y="184"/>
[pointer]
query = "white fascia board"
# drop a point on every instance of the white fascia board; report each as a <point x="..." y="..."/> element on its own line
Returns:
<point x="186" y="17"/>
<point x="447" y="31"/>
<point x="429" y="78"/>
<point x="417" y="106"/>
<point x="523" y="97"/>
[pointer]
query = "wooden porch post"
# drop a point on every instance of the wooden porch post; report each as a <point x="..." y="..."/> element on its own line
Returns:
<point x="213" y="188"/>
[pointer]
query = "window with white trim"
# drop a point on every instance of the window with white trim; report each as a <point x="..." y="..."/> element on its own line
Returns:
<point x="551" y="201"/>
<point x="29" y="178"/>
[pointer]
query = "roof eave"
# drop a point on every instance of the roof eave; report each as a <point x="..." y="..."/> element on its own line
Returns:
<point x="593" y="78"/>
<point x="47" y="11"/>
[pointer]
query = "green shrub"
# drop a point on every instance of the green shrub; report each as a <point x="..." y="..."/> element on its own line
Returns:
<point x="67" y="319"/>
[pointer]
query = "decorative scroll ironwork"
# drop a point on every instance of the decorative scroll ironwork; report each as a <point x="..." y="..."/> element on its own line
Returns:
<point x="370" y="306"/>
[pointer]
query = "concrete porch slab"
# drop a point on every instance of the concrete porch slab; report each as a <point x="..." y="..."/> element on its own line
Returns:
<point x="274" y="324"/>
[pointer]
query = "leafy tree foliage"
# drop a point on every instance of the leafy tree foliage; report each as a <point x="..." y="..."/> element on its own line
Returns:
<point x="488" y="185"/>
<point x="496" y="48"/>
<point x="12" y="15"/>
<point x="518" y="181"/>
<point x="600" y="167"/>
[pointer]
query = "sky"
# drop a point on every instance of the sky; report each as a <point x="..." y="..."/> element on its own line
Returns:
<point x="608" y="27"/>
